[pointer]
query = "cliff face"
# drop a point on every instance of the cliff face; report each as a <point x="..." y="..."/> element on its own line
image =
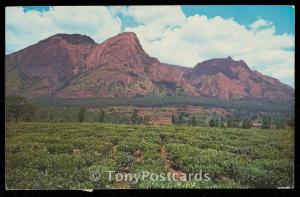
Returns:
<point x="227" y="79"/>
<point x="74" y="66"/>
<point x="40" y="69"/>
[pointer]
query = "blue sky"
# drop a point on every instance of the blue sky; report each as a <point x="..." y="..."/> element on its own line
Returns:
<point x="39" y="8"/>
<point x="282" y="16"/>
<point x="263" y="36"/>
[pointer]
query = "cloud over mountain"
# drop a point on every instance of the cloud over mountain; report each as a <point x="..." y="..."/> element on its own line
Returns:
<point x="165" y="32"/>
<point x="72" y="66"/>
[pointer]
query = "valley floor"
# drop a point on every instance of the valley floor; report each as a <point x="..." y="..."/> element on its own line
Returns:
<point x="96" y="156"/>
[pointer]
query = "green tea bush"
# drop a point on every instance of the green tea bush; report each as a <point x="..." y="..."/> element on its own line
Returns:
<point x="101" y="147"/>
<point x="123" y="159"/>
<point x="267" y="174"/>
<point x="102" y="168"/>
<point x="115" y="140"/>
<point x="129" y="145"/>
<point x="59" y="148"/>
<point x="61" y="155"/>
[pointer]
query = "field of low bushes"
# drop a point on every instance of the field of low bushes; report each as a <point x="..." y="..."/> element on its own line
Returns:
<point x="63" y="156"/>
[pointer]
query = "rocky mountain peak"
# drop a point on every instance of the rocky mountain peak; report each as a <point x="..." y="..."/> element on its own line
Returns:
<point x="74" y="66"/>
<point x="125" y="40"/>
<point x="74" y="39"/>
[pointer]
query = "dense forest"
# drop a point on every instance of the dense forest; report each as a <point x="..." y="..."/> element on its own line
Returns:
<point x="178" y="101"/>
<point x="244" y="114"/>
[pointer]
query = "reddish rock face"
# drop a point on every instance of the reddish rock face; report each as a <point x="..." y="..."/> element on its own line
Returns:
<point x="74" y="66"/>
<point x="43" y="67"/>
<point x="123" y="50"/>
<point x="226" y="78"/>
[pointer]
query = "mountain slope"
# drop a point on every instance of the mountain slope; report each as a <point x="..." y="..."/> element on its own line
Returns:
<point x="42" y="68"/>
<point x="120" y="67"/>
<point x="74" y="66"/>
<point x="228" y="79"/>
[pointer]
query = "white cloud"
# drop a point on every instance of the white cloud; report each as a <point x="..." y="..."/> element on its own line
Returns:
<point x="197" y="38"/>
<point x="154" y="19"/>
<point x="26" y="28"/>
<point x="164" y="32"/>
<point x="163" y="15"/>
<point x="260" y="23"/>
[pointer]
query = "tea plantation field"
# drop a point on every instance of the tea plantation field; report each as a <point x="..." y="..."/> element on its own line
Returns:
<point x="65" y="156"/>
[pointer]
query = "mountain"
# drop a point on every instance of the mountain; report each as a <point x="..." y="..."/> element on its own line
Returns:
<point x="228" y="79"/>
<point x="70" y="66"/>
<point x="45" y="67"/>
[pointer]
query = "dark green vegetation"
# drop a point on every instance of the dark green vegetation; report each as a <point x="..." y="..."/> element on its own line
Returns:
<point x="247" y="105"/>
<point x="81" y="114"/>
<point x="19" y="108"/>
<point x="22" y="109"/>
<point x="62" y="155"/>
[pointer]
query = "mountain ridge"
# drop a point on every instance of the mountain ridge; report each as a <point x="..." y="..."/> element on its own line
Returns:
<point x="70" y="66"/>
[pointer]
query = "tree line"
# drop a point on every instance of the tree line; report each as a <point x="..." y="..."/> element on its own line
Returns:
<point x="264" y="122"/>
<point x="175" y="101"/>
<point x="21" y="109"/>
<point x="18" y="108"/>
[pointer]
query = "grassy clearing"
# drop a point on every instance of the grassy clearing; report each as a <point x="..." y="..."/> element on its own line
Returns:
<point x="62" y="155"/>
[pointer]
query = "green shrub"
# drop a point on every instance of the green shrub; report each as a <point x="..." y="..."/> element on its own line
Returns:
<point x="59" y="148"/>
<point x="42" y="156"/>
<point x="123" y="159"/>
<point x="267" y="174"/>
